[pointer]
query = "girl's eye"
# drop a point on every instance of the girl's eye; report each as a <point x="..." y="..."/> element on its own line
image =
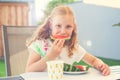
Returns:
<point x="58" y="26"/>
<point x="68" y="26"/>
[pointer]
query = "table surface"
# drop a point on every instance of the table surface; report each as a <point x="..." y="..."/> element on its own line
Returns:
<point x="92" y="74"/>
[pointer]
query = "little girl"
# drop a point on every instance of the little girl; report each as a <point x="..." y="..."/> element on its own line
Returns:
<point x="44" y="46"/>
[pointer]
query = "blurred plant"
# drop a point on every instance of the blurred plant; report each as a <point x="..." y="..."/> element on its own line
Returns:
<point x="53" y="4"/>
<point x="118" y="24"/>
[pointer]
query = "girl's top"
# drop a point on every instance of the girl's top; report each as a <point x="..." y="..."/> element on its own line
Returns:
<point x="42" y="47"/>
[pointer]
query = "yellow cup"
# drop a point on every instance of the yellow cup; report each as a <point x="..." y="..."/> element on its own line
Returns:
<point x="55" y="70"/>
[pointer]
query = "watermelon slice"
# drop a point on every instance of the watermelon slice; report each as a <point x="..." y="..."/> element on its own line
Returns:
<point x="81" y="67"/>
<point x="60" y="37"/>
<point x="70" y="68"/>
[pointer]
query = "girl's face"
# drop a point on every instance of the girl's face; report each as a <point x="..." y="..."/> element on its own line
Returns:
<point x="62" y="25"/>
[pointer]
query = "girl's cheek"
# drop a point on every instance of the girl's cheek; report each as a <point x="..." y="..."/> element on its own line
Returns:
<point x="54" y="33"/>
<point x="70" y="33"/>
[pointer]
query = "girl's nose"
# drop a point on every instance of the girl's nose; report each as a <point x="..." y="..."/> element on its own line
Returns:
<point x="63" y="31"/>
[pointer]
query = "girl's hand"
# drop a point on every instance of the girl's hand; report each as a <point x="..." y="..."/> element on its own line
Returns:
<point x="97" y="63"/>
<point x="55" y="49"/>
<point x="103" y="68"/>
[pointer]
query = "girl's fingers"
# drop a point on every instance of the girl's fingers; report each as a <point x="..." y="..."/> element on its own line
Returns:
<point x="101" y="67"/>
<point x="104" y="69"/>
<point x="108" y="72"/>
<point x="55" y="42"/>
<point x="58" y="43"/>
<point x="104" y="72"/>
<point x="61" y="43"/>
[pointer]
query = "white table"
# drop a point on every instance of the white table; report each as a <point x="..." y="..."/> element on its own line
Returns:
<point x="92" y="74"/>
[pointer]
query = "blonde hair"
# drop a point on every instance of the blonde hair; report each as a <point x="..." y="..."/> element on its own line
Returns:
<point x="43" y="32"/>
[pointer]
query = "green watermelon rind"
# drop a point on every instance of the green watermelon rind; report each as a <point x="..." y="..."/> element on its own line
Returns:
<point x="72" y="68"/>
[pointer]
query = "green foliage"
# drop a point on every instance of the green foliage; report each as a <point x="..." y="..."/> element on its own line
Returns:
<point x="118" y="24"/>
<point x="2" y="68"/>
<point x="108" y="61"/>
<point x="52" y="4"/>
<point x="81" y="63"/>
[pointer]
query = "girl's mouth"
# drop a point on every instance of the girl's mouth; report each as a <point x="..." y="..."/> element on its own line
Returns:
<point x="60" y="37"/>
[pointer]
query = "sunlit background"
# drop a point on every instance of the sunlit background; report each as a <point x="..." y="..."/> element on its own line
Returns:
<point x="108" y="3"/>
<point x="40" y="5"/>
<point x="95" y="20"/>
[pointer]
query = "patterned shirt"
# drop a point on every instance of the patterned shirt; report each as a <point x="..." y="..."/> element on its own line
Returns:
<point x="42" y="47"/>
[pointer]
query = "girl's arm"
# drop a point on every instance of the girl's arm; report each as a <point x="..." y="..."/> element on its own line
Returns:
<point x="97" y="63"/>
<point x="35" y="63"/>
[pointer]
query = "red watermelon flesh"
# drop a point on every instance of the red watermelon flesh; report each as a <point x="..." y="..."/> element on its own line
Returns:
<point x="60" y="37"/>
<point x="82" y="68"/>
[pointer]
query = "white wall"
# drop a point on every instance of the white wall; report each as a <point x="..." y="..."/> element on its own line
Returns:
<point x="96" y="33"/>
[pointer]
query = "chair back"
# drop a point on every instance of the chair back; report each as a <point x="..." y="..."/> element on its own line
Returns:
<point x="15" y="50"/>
